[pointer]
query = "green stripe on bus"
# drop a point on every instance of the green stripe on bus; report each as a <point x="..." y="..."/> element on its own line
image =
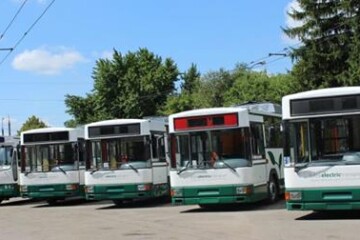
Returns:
<point x="9" y="190"/>
<point x="53" y="191"/>
<point x="336" y="198"/>
<point x="217" y="194"/>
<point x="126" y="191"/>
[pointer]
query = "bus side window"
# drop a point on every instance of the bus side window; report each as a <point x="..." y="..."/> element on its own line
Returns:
<point x="257" y="140"/>
<point x="154" y="147"/>
<point x="273" y="133"/>
<point x="161" y="149"/>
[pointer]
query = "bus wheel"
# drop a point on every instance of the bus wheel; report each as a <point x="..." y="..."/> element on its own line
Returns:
<point x="273" y="189"/>
<point x="52" y="201"/>
<point x="118" y="202"/>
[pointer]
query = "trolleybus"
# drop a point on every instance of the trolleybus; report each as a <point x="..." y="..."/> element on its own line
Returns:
<point x="126" y="160"/>
<point x="52" y="166"/>
<point x="322" y="149"/>
<point x="226" y="155"/>
<point x="8" y="167"/>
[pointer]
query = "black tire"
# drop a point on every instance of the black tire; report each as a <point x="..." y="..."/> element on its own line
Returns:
<point x="118" y="202"/>
<point x="273" y="189"/>
<point x="210" y="206"/>
<point x="52" y="201"/>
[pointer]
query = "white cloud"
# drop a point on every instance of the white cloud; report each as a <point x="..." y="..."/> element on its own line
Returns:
<point x="48" y="62"/>
<point x="290" y="22"/>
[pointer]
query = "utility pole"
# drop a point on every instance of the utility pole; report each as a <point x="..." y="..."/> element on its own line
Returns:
<point x="9" y="125"/>
<point x="2" y="126"/>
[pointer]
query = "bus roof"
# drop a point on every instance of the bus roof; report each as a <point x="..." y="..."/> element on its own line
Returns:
<point x="116" y="122"/>
<point x="338" y="91"/>
<point x="9" y="140"/>
<point x="255" y="108"/>
<point x="131" y="127"/>
<point x="48" y="130"/>
<point x="318" y="95"/>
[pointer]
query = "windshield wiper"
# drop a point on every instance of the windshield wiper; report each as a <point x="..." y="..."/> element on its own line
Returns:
<point x="298" y="167"/>
<point x="27" y="173"/>
<point x="62" y="170"/>
<point x="184" y="168"/>
<point x="93" y="170"/>
<point x="227" y="165"/>
<point x="132" y="167"/>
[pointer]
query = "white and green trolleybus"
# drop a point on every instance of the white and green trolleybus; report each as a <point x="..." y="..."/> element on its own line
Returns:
<point x="8" y="167"/>
<point x="126" y="160"/>
<point x="52" y="164"/>
<point x="322" y="149"/>
<point x="226" y="155"/>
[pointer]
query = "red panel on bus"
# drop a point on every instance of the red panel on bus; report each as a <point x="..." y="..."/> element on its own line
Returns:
<point x="209" y="121"/>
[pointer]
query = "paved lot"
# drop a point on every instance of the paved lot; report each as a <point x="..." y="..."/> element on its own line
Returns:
<point x="23" y="219"/>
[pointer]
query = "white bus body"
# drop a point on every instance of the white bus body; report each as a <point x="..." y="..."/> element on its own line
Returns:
<point x="322" y="149"/>
<point x="8" y="167"/>
<point x="52" y="165"/>
<point x="126" y="160"/>
<point x="226" y="155"/>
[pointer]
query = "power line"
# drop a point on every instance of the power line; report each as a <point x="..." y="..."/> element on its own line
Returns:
<point x="284" y="51"/>
<point x="13" y="19"/>
<point x="27" y="32"/>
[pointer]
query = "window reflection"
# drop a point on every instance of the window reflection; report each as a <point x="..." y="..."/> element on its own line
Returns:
<point x="45" y="158"/>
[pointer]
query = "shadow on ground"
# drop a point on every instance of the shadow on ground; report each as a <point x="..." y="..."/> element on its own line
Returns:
<point x="259" y="206"/>
<point x="148" y="203"/>
<point x="19" y="202"/>
<point x="66" y="203"/>
<point x="331" y="215"/>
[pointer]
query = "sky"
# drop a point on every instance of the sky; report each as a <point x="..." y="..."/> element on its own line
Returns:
<point x="55" y="53"/>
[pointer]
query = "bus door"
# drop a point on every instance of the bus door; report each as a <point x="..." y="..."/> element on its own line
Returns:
<point x="14" y="164"/>
<point x="160" y="169"/>
<point x="260" y="165"/>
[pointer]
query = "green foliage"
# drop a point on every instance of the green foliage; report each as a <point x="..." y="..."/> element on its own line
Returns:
<point x="329" y="53"/>
<point x="31" y="123"/>
<point x="179" y="102"/>
<point x="226" y="88"/>
<point x="127" y="86"/>
<point x="259" y="87"/>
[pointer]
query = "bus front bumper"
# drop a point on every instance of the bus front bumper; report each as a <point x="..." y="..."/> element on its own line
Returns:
<point x="51" y="191"/>
<point x="218" y="194"/>
<point x="125" y="191"/>
<point x="323" y="199"/>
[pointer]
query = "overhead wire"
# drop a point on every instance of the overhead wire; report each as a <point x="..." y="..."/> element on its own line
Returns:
<point x="13" y="19"/>
<point x="261" y="61"/>
<point x="27" y="32"/>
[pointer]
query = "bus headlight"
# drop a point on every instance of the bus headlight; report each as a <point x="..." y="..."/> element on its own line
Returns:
<point x="89" y="189"/>
<point x="23" y="188"/>
<point x="293" y="196"/>
<point x="244" y="190"/>
<point x="176" y="192"/>
<point x="144" y="187"/>
<point x="71" y="187"/>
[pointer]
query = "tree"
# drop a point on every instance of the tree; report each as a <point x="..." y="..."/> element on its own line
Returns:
<point x="327" y="35"/>
<point x="127" y="86"/>
<point x="213" y="88"/>
<point x="183" y="100"/>
<point x="191" y="79"/>
<point x="32" y="123"/>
